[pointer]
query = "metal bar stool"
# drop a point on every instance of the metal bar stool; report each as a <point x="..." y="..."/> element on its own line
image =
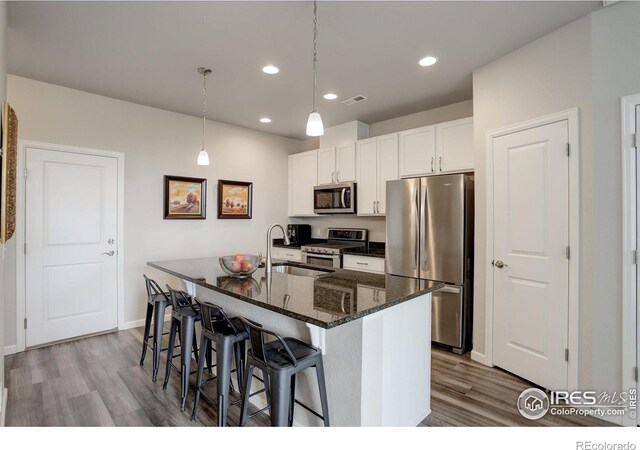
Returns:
<point x="157" y="302"/>
<point x="280" y="360"/>
<point x="229" y="336"/>
<point x="183" y="320"/>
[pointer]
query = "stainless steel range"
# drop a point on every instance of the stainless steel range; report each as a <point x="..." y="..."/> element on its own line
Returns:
<point x="330" y="253"/>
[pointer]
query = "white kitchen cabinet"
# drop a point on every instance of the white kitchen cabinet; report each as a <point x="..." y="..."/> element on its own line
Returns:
<point x="418" y="152"/>
<point x="370" y="297"/>
<point x="367" y="168"/>
<point x="363" y="263"/>
<point x="303" y="176"/>
<point x="376" y="163"/>
<point x="454" y="145"/>
<point x="346" y="163"/>
<point x="337" y="164"/>
<point x="327" y="165"/>
<point x="288" y="254"/>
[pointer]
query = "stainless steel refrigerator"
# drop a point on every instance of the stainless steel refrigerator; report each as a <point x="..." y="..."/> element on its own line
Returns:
<point x="430" y="237"/>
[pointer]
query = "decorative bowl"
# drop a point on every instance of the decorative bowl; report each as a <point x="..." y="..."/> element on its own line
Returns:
<point x="240" y="265"/>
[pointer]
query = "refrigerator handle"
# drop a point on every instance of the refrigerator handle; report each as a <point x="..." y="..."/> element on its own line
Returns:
<point x="417" y="229"/>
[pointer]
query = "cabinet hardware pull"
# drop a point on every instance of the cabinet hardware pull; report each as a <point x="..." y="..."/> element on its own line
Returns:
<point x="440" y="163"/>
<point x="432" y="161"/>
<point x="338" y="176"/>
<point x="109" y="253"/>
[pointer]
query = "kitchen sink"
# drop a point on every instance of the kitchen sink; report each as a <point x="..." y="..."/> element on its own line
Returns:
<point x="300" y="271"/>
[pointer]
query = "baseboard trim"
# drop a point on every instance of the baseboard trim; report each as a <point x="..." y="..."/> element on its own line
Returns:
<point x="140" y="322"/>
<point x="10" y="350"/>
<point x="480" y="357"/>
<point x="3" y="411"/>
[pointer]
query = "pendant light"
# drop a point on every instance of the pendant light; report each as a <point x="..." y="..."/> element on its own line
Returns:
<point x="203" y="156"/>
<point x="314" y="123"/>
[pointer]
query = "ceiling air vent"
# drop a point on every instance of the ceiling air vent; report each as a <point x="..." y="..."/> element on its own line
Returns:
<point x="353" y="100"/>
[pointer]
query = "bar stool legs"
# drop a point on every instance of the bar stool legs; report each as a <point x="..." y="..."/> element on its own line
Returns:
<point x="158" y="324"/>
<point x="147" y="329"/>
<point x="322" y="386"/>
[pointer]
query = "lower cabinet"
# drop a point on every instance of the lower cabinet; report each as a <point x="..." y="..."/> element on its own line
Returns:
<point x="363" y="263"/>
<point x="288" y="254"/>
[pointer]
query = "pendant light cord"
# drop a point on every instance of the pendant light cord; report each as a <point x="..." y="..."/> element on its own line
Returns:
<point x="204" y="105"/>
<point x="315" y="49"/>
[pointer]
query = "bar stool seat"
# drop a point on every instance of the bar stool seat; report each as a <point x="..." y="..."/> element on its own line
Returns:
<point x="229" y="335"/>
<point x="157" y="302"/>
<point x="280" y="361"/>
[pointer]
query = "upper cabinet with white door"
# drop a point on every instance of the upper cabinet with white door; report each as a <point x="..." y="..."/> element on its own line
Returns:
<point x="376" y="163"/>
<point x="337" y="164"/>
<point x="454" y="145"/>
<point x="303" y="176"/>
<point x="442" y="148"/>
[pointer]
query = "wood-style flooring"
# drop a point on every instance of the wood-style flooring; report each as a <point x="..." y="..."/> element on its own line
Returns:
<point x="97" y="381"/>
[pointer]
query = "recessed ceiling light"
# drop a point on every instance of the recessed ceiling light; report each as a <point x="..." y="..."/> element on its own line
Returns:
<point x="265" y="120"/>
<point x="428" y="61"/>
<point x="330" y="96"/>
<point x="271" y="70"/>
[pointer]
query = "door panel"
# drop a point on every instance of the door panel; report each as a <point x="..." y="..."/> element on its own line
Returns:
<point x="442" y="234"/>
<point x="455" y="145"/>
<point x="367" y="176"/>
<point x="387" y="167"/>
<point x="346" y="163"/>
<point x="327" y="165"/>
<point x="403" y="210"/>
<point x="71" y="220"/>
<point x="446" y="316"/>
<point x="418" y="152"/>
<point x="531" y="232"/>
<point x="303" y="177"/>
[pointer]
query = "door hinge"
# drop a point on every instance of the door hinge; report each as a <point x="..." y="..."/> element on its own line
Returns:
<point x="25" y="248"/>
<point x="635" y="374"/>
<point x="635" y="140"/>
<point x="568" y="252"/>
<point x="566" y="354"/>
<point x="568" y="149"/>
<point x="25" y="323"/>
<point x="26" y="173"/>
<point x="635" y="257"/>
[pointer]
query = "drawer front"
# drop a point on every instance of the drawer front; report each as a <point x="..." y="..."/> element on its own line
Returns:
<point x="289" y="254"/>
<point x="363" y="263"/>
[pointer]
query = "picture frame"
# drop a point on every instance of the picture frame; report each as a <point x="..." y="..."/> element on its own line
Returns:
<point x="235" y="199"/>
<point x="185" y="197"/>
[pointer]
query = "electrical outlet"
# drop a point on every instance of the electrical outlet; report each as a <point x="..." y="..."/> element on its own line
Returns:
<point x="317" y="232"/>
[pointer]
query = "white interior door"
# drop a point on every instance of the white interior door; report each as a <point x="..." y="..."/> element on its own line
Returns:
<point x="71" y="266"/>
<point x="531" y="271"/>
<point x="637" y="364"/>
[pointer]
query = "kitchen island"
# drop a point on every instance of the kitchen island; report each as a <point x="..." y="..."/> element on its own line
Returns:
<point x="374" y="331"/>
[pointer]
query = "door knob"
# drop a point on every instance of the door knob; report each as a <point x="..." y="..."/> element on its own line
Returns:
<point x="109" y="253"/>
<point x="499" y="264"/>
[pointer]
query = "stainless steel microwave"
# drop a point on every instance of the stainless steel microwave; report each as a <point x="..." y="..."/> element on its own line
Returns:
<point x="335" y="199"/>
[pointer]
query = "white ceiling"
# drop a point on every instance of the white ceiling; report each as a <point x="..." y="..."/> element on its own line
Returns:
<point x="148" y="53"/>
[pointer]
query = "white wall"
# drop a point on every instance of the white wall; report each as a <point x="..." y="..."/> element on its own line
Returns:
<point x="586" y="64"/>
<point x="3" y="79"/>
<point x="155" y="143"/>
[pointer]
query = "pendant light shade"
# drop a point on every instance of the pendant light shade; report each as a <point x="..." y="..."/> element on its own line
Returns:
<point x="314" y="124"/>
<point x="203" y="156"/>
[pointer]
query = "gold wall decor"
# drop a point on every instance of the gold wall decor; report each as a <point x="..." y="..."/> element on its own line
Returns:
<point x="9" y="175"/>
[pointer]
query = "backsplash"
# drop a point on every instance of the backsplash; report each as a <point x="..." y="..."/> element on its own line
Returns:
<point x="320" y="225"/>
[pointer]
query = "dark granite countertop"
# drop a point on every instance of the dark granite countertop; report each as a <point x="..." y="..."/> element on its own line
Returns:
<point x="327" y="301"/>
<point x="374" y="250"/>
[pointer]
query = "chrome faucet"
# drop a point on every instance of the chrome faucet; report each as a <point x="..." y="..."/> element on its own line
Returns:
<point x="268" y="263"/>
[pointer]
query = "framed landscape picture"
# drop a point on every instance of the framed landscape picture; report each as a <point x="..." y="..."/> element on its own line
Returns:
<point x="185" y="198"/>
<point x="234" y="199"/>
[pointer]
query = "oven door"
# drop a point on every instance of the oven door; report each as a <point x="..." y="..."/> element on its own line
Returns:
<point x="322" y="259"/>
<point x="335" y="199"/>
